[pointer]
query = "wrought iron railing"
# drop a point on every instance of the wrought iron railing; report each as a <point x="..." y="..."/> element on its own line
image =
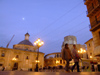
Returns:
<point x="90" y="9"/>
<point x="94" y="23"/>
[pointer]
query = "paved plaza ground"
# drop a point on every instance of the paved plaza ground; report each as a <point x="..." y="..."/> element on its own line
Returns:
<point x="46" y="73"/>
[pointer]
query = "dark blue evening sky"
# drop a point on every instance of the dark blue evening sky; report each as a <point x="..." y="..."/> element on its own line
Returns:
<point x="50" y="20"/>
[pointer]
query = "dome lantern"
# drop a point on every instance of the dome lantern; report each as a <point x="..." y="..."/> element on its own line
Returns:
<point x="27" y="36"/>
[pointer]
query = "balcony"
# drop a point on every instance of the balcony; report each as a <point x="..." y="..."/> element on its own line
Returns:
<point x="93" y="9"/>
<point x="86" y="1"/>
<point x="94" y="25"/>
<point x="90" y="9"/>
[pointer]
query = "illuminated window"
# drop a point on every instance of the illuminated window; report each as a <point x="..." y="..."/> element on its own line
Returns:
<point x="3" y="55"/>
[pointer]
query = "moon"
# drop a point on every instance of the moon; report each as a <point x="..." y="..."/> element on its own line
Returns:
<point x="23" y="18"/>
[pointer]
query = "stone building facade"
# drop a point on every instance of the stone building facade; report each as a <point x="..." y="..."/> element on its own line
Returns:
<point x="71" y="40"/>
<point x="21" y="57"/>
<point x="93" y="12"/>
<point x="90" y="48"/>
<point x="55" y="59"/>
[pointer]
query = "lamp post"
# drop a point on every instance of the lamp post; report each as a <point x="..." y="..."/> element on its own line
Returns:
<point x="81" y="51"/>
<point x="38" y="43"/>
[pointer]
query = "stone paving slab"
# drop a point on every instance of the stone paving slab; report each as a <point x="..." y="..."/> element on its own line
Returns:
<point x="46" y="73"/>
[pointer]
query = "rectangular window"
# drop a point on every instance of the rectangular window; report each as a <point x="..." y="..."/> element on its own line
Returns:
<point x="60" y="61"/>
<point x="99" y="34"/>
<point x="92" y="5"/>
<point x="90" y="53"/>
<point x="89" y="45"/>
<point x="17" y="56"/>
<point x="98" y="17"/>
<point x="3" y="55"/>
<point x="0" y="64"/>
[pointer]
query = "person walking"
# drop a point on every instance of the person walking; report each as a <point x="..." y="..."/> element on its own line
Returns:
<point x="3" y="68"/>
<point x="66" y="55"/>
<point x="76" y="58"/>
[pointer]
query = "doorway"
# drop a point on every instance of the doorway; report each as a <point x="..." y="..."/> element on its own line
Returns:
<point x="15" y="67"/>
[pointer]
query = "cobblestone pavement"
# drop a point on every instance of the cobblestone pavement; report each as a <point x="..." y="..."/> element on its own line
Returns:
<point x="46" y="73"/>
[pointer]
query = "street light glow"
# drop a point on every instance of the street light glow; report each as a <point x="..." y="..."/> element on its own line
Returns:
<point x="34" y="43"/>
<point x="84" y="50"/>
<point x="81" y="51"/>
<point x="78" y="51"/>
<point x="90" y="56"/>
<point x="14" y="59"/>
<point x="38" y="42"/>
<point x="37" y="61"/>
<point x="42" y="42"/>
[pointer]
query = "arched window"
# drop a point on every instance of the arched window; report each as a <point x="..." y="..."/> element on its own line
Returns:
<point x="3" y="55"/>
<point x="27" y="57"/>
<point x="99" y="34"/>
<point x="60" y="61"/>
<point x="17" y="56"/>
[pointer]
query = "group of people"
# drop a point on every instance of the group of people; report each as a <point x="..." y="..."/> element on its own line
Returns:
<point x="69" y="55"/>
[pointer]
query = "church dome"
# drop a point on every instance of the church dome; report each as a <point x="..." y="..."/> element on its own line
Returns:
<point x="26" y="42"/>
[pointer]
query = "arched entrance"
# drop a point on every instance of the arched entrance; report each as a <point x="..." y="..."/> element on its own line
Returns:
<point x="15" y="67"/>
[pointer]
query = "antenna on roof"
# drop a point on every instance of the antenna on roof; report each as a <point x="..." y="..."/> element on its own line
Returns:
<point x="9" y="41"/>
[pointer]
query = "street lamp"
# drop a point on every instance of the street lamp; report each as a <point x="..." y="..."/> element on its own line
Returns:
<point x="14" y="59"/>
<point x="81" y="51"/>
<point x="38" y="43"/>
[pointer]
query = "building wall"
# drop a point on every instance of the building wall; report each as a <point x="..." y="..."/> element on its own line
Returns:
<point x="54" y="59"/>
<point x="96" y="37"/>
<point x="24" y="47"/>
<point x="90" y="48"/>
<point x="24" y="63"/>
<point x="93" y="7"/>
